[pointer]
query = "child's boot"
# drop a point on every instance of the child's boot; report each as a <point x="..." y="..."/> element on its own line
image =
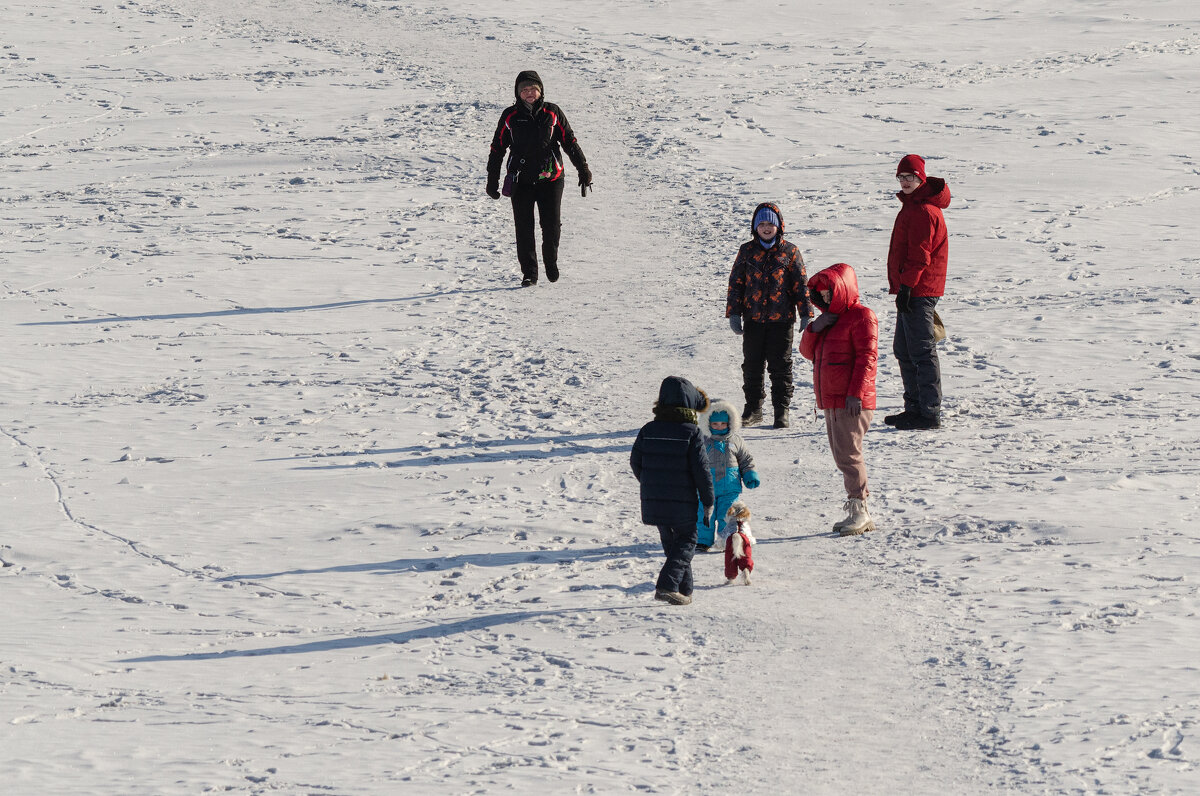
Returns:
<point x="752" y="414"/>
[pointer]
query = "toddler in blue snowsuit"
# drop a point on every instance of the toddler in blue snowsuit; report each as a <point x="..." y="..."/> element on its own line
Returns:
<point x="730" y="463"/>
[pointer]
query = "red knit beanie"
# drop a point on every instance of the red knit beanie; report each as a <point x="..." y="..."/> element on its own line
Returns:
<point x="912" y="164"/>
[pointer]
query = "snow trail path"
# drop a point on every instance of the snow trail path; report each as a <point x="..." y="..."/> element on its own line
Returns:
<point x="313" y="498"/>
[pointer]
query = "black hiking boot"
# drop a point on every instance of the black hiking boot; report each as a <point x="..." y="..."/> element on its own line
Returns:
<point x="906" y="415"/>
<point x="782" y="417"/>
<point x="752" y="415"/>
<point x="918" y="423"/>
<point x="552" y="272"/>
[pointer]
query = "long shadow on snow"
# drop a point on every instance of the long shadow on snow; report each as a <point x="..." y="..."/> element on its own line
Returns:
<point x="335" y="305"/>
<point x="403" y="637"/>
<point x="569" y="447"/>
<point x="471" y="559"/>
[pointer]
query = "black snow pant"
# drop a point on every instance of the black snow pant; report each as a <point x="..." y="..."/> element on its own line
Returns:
<point x="767" y="344"/>
<point x="916" y="353"/>
<point x="679" y="543"/>
<point x="547" y="197"/>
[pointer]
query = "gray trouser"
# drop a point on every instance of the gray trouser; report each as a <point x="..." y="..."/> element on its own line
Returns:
<point x="916" y="353"/>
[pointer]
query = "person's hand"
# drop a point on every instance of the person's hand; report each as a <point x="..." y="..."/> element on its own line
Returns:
<point x="493" y="189"/>
<point x="585" y="176"/>
<point x="802" y="323"/>
<point x="735" y="323"/>
<point x="708" y="512"/>
<point x="904" y="299"/>
<point x="853" y="405"/>
<point x="751" y="480"/>
<point x="823" y="322"/>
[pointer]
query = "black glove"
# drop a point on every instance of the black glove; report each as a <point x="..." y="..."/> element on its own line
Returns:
<point x="904" y="299"/>
<point x="708" y="512"/>
<point x="493" y="187"/>
<point x="823" y="322"/>
<point x="585" y="176"/>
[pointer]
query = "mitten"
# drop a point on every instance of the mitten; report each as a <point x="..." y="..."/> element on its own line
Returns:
<point x="904" y="299"/>
<point x="493" y="187"/>
<point x="750" y="479"/>
<point x="708" y="512"/>
<point x="823" y="322"/>
<point x="735" y="323"/>
<point x="853" y="406"/>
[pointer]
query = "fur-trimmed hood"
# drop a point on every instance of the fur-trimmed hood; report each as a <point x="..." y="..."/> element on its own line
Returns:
<point x="720" y="405"/>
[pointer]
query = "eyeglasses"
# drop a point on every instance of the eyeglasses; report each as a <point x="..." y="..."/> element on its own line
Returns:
<point x="907" y="177"/>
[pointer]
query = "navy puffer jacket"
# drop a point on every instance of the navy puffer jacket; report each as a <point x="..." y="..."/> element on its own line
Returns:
<point x="668" y="457"/>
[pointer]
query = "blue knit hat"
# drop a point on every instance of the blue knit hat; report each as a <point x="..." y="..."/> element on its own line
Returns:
<point x="718" y="417"/>
<point x="765" y="214"/>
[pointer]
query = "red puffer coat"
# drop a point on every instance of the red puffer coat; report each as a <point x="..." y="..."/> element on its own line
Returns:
<point x="844" y="355"/>
<point x="918" y="253"/>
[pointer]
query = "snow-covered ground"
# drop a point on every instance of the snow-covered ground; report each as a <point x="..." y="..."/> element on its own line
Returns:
<point x="301" y="493"/>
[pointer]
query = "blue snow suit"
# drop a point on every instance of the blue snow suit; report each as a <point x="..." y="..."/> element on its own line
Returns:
<point x="729" y="462"/>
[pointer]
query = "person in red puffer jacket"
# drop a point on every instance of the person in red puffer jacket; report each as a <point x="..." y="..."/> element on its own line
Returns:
<point x="917" y="260"/>
<point x="843" y="345"/>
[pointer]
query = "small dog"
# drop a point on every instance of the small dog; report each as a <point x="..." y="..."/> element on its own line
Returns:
<point x="739" y="544"/>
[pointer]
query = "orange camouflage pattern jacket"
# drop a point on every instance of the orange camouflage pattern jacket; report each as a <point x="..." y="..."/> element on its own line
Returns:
<point x="768" y="285"/>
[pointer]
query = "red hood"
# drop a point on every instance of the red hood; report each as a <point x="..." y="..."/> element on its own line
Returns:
<point x="842" y="281"/>
<point x="933" y="191"/>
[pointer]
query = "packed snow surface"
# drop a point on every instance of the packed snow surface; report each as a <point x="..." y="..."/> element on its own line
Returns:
<point x="301" y="493"/>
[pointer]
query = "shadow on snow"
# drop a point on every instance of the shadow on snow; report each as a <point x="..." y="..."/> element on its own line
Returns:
<point x="334" y="305"/>
<point x="567" y="445"/>
<point x="402" y="637"/>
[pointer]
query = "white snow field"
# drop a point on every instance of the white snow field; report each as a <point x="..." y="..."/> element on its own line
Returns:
<point x="301" y="493"/>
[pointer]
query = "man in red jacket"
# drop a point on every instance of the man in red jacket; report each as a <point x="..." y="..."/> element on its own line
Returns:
<point x="917" y="277"/>
<point x="843" y="344"/>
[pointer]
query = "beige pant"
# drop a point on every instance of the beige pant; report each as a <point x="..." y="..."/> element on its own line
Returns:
<point x="846" y="434"/>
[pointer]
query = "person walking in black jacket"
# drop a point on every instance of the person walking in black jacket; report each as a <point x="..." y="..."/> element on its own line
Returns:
<point x="535" y="133"/>
<point x="669" y="463"/>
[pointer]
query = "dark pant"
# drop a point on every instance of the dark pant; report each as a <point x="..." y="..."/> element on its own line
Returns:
<point x="916" y="353"/>
<point x="547" y="197"/>
<point x="769" y="344"/>
<point x="680" y="545"/>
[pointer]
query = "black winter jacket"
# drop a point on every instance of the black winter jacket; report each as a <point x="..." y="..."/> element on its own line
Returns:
<point x="668" y="458"/>
<point x="533" y="136"/>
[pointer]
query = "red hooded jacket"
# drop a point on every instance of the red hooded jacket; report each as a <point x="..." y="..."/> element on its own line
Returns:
<point x="918" y="253"/>
<point x="844" y="355"/>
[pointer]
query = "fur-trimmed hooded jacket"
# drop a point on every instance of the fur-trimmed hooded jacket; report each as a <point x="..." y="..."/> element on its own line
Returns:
<point x="728" y="457"/>
<point x="668" y="457"/>
<point x="767" y="285"/>
<point x="844" y="355"/>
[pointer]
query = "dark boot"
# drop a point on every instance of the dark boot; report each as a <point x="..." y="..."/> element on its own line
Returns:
<point x="752" y="415"/>
<point x="782" y="419"/>
<point x="904" y="416"/>
<point x="918" y="422"/>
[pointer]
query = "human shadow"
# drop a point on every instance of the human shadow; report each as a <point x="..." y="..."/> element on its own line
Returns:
<point x="356" y="642"/>
<point x="468" y="559"/>
<point x="804" y="538"/>
<point x="562" y="446"/>
<point x="333" y="305"/>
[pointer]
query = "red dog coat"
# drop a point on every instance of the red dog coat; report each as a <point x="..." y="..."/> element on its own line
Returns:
<point x="735" y="565"/>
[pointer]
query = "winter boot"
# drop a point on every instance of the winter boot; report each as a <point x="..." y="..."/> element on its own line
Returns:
<point x="752" y="414"/>
<point x="675" y="598"/>
<point x="918" y="422"/>
<point x="858" y="519"/>
<point x="892" y="420"/>
<point x="782" y="419"/>
<point x="552" y="272"/>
